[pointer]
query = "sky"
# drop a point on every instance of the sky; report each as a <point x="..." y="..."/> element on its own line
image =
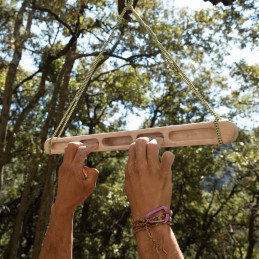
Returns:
<point x="192" y="4"/>
<point x="237" y="54"/>
<point x="251" y="57"/>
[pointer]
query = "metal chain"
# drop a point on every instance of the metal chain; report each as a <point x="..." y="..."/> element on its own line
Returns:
<point x="178" y="71"/>
<point x="156" y="245"/>
<point x="172" y="64"/>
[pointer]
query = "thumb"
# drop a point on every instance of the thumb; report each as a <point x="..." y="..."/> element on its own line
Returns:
<point x="167" y="161"/>
<point x="92" y="174"/>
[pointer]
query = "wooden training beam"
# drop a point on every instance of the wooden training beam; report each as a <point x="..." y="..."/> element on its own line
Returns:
<point x="193" y="134"/>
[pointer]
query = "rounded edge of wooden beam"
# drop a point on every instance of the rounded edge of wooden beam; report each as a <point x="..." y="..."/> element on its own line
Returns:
<point x="229" y="131"/>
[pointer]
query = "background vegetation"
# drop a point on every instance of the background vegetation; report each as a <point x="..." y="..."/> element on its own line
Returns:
<point x="215" y="192"/>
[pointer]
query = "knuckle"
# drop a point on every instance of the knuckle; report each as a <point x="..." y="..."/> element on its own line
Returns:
<point x="71" y="145"/>
<point x="152" y="145"/>
<point x="142" y="140"/>
<point x="132" y="146"/>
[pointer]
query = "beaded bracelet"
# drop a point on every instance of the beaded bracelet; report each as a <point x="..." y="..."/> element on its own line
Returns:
<point x="151" y="221"/>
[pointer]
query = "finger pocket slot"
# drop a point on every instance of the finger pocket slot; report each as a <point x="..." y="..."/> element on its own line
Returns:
<point x="117" y="141"/>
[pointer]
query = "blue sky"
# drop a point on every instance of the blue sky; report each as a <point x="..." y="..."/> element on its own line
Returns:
<point x="251" y="57"/>
<point x="193" y="4"/>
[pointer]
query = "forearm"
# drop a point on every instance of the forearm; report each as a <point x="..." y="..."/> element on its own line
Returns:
<point x="159" y="243"/>
<point x="59" y="236"/>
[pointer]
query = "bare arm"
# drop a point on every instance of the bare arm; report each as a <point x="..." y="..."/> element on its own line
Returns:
<point x="75" y="184"/>
<point x="148" y="185"/>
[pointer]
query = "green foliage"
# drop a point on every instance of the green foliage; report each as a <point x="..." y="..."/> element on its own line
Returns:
<point x="215" y="188"/>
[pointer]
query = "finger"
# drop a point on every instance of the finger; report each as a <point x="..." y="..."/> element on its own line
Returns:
<point x="167" y="161"/>
<point x="80" y="156"/>
<point x="92" y="173"/>
<point x="159" y="141"/>
<point x="141" y="151"/>
<point x="131" y="159"/>
<point x="70" y="151"/>
<point x="92" y="147"/>
<point x="92" y="176"/>
<point x="83" y="151"/>
<point x="152" y="153"/>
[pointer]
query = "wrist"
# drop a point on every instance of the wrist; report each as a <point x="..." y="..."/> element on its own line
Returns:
<point x="141" y="213"/>
<point x="159" y="216"/>
<point x="153" y="228"/>
<point x="62" y="209"/>
<point x="158" y="211"/>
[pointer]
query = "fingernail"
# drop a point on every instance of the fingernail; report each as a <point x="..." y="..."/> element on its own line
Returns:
<point x="76" y="142"/>
<point x="82" y="146"/>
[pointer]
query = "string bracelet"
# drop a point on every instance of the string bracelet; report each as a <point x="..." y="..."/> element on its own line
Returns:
<point x="151" y="221"/>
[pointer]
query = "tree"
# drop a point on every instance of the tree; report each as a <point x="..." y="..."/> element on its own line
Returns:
<point x="215" y="200"/>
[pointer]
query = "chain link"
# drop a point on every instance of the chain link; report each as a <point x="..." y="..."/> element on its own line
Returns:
<point x="172" y="64"/>
<point x="178" y="71"/>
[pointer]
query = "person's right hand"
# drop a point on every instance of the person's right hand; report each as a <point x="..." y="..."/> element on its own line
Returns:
<point x="148" y="181"/>
<point x="75" y="180"/>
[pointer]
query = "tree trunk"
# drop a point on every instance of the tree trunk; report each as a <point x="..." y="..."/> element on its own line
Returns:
<point x="14" y="242"/>
<point x="47" y="196"/>
<point x="83" y="226"/>
<point x="252" y="229"/>
<point x="45" y="205"/>
<point x="19" y="41"/>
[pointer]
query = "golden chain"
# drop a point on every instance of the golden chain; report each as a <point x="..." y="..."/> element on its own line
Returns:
<point x="143" y="224"/>
<point x="178" y="71"/>
<point x="155" y="244"/>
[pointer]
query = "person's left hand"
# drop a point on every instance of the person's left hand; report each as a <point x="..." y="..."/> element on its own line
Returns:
<point x="76" y="181"/>
<point x="148" y="181"/>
